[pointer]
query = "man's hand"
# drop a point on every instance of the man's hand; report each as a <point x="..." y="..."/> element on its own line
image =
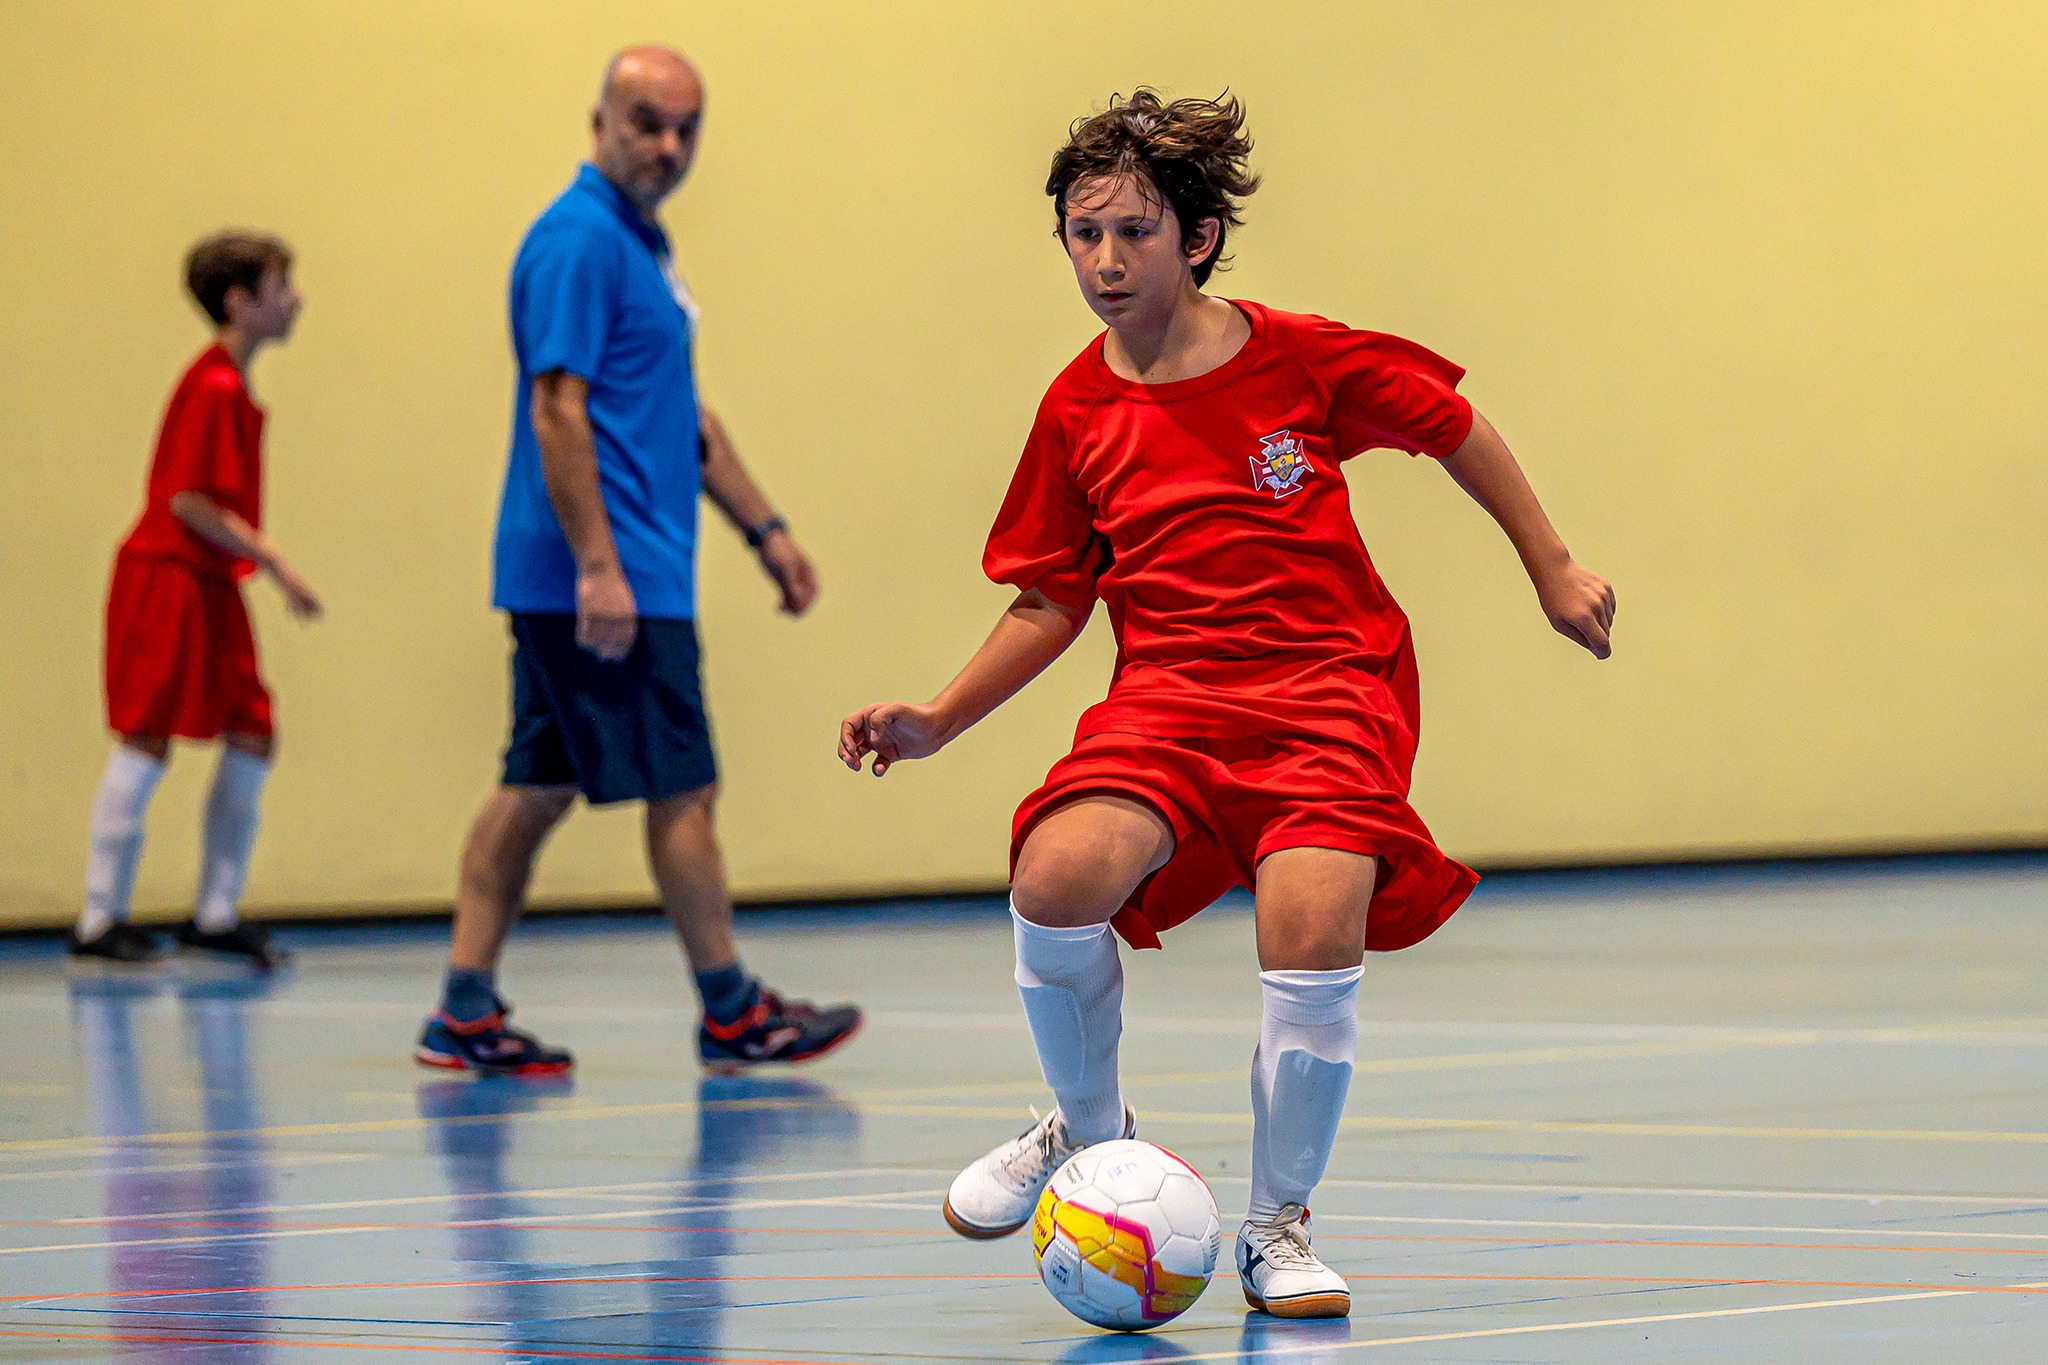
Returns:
<point x="607" y="617"/>
<point x="891" y="731"/>
<point x="298" y="598"/>
<point x="792" y="571"/>
<point x="1580" y="605"/>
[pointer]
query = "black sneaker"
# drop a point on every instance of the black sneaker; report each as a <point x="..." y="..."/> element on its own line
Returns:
<point x="775" y="1030"/>
<point x="247" y="941"/>
<point x="122" y="943"/>
<point x="489" y="1045"/>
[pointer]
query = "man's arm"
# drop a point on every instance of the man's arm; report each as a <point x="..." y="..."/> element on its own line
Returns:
<point x="216" y="525"/>
<point x="727" y="483"/>
<point x="607" y="617"/>
<point x="1035" y="631"/>
<point x="1579" y="602"/>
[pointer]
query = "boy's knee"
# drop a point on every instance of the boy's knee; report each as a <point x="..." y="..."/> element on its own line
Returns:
<point x="1062" y="887"/>
<point x="254" y="745"/>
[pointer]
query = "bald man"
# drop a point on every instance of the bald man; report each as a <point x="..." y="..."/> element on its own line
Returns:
<point x="595" y="564"/>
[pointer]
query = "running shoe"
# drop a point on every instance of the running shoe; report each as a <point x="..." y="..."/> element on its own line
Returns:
<point x="774" y="1030"/>
<point x="488" y="1045"/>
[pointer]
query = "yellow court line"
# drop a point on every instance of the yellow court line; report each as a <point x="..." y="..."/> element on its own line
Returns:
<point x="1420" y="1123"/>
<point x="1452" y="1061"/>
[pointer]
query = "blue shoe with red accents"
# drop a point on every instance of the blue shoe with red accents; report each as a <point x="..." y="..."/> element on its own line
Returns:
<point x="488" y="1044"/>
<point x="775" y="1030"/>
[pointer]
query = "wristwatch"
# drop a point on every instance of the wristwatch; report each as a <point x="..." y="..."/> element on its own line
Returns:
<point x="757" y="534"/>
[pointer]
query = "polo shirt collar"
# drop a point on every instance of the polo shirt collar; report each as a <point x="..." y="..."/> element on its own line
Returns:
<point x="590" y="180"/>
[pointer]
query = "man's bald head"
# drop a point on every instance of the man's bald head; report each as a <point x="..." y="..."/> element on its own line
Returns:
<point x="644" y="128"/>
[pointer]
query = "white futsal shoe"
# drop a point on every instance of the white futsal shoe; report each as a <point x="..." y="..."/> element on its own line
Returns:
<point x="995" y="1196"/>
<point x="1282" y="1274"/>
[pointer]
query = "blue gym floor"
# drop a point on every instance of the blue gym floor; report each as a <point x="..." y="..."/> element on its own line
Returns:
<point x="1737" y="1115"/>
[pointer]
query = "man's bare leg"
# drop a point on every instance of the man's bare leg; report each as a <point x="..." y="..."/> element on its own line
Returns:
<point x="497" y="863"/>
<point x="743" y="1024"/>
<point x="689" y="871"/>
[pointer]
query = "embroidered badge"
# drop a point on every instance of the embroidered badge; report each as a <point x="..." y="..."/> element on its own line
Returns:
<point x="1280" y="464"/>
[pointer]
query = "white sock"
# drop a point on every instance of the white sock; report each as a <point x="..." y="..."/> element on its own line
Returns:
<point x="1073" y="987"/>
<point x="232" y="809"/>
<point x="1308" y="1038"/>
<point x="116" y="838"/>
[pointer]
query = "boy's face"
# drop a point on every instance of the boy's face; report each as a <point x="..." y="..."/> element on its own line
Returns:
<point x="1126" y="247"/>
<point x="268" y="314"/>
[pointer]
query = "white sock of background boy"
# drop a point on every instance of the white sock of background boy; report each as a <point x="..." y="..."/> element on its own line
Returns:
<point x="126" y="785"/>
<point x="233" y="808"/>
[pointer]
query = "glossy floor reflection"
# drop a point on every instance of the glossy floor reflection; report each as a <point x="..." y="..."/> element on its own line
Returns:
<point x="1738" y="1115"/>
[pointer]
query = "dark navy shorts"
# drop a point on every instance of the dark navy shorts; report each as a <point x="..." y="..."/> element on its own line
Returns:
<point x="634" y="730"/>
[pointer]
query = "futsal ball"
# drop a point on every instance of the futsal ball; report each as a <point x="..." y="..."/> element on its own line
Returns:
<point x="1126" y="1235"/>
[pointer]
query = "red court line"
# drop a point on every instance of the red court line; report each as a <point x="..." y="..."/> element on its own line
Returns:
<point x="936" y="1231"/>
<point x="1695" y="1281"/>
<point x="164" y="1339"/>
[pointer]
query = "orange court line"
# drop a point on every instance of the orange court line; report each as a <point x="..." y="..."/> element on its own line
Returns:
<point x="162" y="1339"/>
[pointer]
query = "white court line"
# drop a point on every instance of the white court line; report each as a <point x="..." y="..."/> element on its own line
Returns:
<point x="555" y="1192"/>
<point x="183" y="1167"/>
<point x="468" y="1224"/>
<point x="1671" y="1191"/>
<point x="1539" y="1328"/>
<point x="1934" y="1233"/>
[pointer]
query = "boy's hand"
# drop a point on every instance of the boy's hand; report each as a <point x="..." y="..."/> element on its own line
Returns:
<point x="891" y="731"/>
<point x="1580" y="604"/>
<point x="298" y="598"/>
<point x="607" y="617"/>
<point x="791" y="570"/>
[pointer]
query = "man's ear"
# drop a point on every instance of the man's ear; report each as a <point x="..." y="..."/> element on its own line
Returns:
<point x="1203" y="240"/>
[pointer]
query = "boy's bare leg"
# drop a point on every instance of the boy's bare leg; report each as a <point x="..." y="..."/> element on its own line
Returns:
<point x="689" y="871"/>
<point x="497" y="863"/>
<point x="1077" y="868"/>
<point x="1311" y="909"/>
<point x="1312" y="906"/>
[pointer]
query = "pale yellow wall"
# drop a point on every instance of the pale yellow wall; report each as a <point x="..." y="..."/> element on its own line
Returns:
<point x="1757" y="290"/>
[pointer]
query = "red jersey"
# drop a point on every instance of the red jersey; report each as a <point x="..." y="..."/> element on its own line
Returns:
<point x="1211" y="517"/>
<point x="211" y="443"/>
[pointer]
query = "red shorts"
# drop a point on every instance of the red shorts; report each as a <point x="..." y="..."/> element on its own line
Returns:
<point x="181" y="659"/>
<point x="1233" y="801"/>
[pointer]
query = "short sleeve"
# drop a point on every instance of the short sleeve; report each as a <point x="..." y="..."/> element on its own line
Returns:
<point x="563" y="300"/>
<point x="1045" y="536"/>
<point x="202" y="446"/>
<point x="1386" y="391"/>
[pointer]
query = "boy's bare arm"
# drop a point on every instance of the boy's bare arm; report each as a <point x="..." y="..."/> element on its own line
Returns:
<point x="607" y="616"/>
<point x="727" y="483"/>
<point x="1031" y="634"/>
<point x="216" y="525"/>
<point x="1579" y="602"/>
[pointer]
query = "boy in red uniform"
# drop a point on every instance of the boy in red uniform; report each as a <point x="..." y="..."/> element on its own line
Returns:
<point x="1186" y="470"/>
<point x="181" y="660"/>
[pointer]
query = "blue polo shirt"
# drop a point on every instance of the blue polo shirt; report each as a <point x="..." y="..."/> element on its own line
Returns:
<point x="594" y="293"/>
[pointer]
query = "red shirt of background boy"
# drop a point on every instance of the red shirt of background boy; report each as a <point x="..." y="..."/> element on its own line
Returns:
<point x="181" y="659"/>
<point x="1211" y="518"/>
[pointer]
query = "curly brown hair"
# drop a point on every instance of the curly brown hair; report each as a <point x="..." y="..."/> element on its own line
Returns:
<point x="226" y="260"/>
<point x="1189" y="154"/>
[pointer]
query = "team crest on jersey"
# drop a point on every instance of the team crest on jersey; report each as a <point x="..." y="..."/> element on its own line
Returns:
<point x="1281" y="464"/>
